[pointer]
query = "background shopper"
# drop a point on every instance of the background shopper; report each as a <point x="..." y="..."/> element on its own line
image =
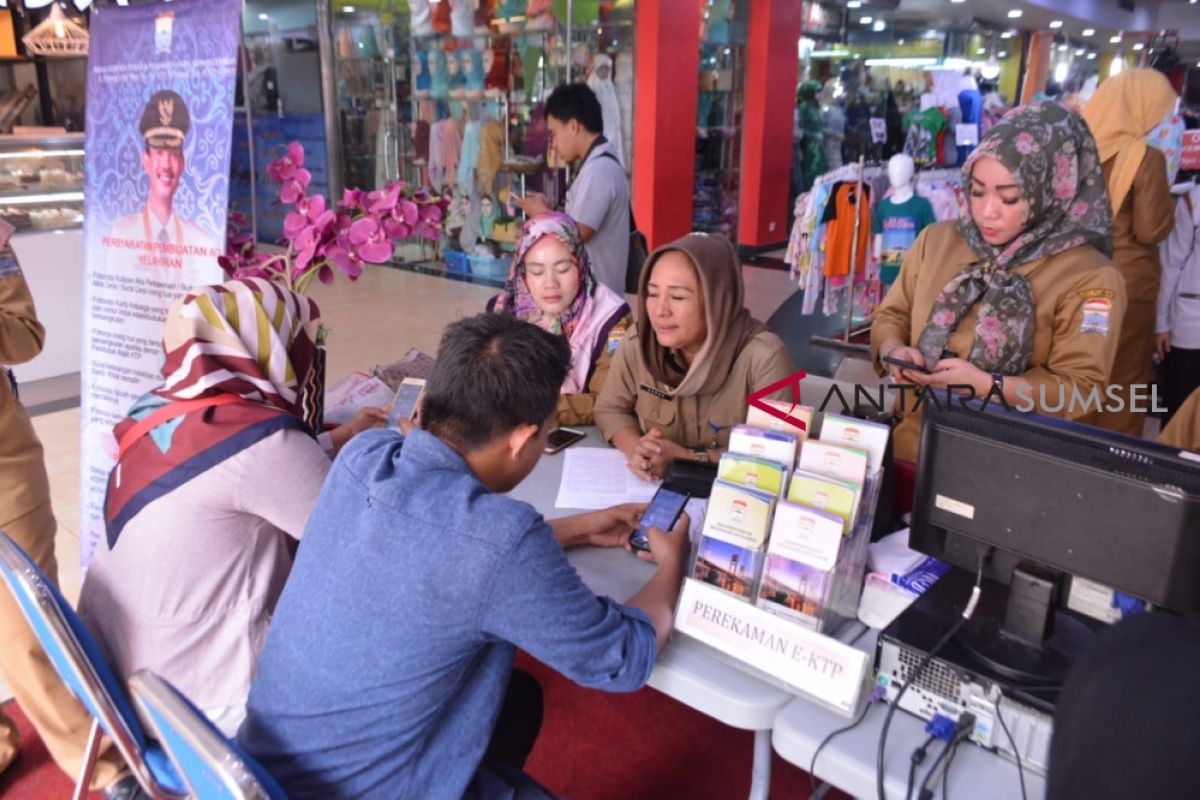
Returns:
<point x="1177" y="332"/>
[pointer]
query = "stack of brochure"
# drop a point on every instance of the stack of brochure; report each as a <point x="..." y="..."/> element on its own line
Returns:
<point x="784" y="511"/>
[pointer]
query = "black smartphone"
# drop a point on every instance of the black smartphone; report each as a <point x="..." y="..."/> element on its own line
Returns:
<point x="561" y="439"/>
<point x="662" y="513"/>
<point x="909" y="365"/>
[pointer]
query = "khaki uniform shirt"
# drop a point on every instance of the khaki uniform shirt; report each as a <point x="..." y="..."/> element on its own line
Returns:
<point x="1183" y="431"/>
<point x="631" y="397"/>
<point x="1145" y="219"/>
<point x="1067" y="352"/>
<point x="579" y="409"/>
<point x="23" y="482"/>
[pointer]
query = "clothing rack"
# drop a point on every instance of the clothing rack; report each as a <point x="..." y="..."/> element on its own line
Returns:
<point x="844" y="341"/>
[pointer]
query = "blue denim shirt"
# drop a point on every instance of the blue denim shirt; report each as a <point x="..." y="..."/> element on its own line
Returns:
<point x="390" y="650"/>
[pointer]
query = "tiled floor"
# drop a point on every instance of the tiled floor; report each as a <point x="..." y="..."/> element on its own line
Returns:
<point x="374" y="320"/>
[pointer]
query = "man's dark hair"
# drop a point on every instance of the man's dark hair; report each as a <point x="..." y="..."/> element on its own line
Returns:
<point x="576" y="101"/>
<point x="494" y="373"/>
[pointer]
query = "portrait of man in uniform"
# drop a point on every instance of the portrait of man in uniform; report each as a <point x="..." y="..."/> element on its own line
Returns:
<point x="155" y="239"/>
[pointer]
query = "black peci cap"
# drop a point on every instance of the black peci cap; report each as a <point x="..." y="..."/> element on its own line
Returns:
<point x="165" y="120"/>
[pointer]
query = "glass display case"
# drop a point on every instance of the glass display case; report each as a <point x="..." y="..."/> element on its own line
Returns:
<point x="41" y="181"/>
<point x="721" y="103"/>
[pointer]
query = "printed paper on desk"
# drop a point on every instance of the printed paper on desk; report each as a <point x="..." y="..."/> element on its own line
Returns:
<point x="817" y="665"/>
<point x="757" y="418"/>
<point x="354" y="392"/>
<point x="598" y="477"/>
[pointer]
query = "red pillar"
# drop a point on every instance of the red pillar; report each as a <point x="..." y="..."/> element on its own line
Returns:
<point x="772" y="62"/>
<point x="664" y="130"/>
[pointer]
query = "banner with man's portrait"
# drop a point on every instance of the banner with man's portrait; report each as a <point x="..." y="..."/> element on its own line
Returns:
<point x="160" y="90"/>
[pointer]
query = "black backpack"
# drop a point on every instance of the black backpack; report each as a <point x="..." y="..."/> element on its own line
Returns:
<point x="639" y="248"/>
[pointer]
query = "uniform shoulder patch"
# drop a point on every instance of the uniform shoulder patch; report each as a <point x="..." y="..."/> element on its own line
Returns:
<point x="1106" y="294"/>
<point x="8" y="263"/>
<point x="1096" y="313"/>
<point x="615" y="336"/>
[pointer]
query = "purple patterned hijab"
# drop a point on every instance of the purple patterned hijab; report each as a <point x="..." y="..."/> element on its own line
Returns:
<point x="1052" y="156"/>
<point x="516" y="298"/>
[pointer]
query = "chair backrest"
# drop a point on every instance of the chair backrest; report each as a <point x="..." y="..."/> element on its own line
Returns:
<point x="213" y="767"/>
<point x="79" y="660"/>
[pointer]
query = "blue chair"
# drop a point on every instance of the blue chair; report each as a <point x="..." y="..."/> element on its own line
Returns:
<point x="83" y="668"/>
<point x="214" y="767"/>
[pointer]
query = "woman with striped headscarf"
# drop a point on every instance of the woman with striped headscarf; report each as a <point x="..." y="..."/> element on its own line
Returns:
<point x="217" y="471"/>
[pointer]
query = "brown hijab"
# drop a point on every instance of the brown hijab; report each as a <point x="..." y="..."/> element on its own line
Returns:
<point x="730" y="325"/>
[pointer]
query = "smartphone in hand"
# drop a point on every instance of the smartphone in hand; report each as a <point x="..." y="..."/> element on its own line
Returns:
<point x="909" y="365"/>
<point x="404" y="405"/>
<point x="662" y="513"/>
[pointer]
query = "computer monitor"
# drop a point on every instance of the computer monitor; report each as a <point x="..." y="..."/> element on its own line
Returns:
<point x="1070" y="498"/>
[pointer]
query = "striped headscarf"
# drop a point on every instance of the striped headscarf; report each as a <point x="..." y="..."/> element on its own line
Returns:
<point x="249" y="339"/>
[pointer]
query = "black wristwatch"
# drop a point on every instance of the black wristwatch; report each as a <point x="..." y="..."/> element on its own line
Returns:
<point x="701" y="454"/>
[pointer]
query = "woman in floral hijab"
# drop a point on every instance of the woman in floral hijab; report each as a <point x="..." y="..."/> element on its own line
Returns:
<point x="550" y="284"/>
<point x="1017" y="301"/>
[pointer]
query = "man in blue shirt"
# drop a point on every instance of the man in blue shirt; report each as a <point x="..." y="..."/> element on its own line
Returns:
<point x="391" y="648"/>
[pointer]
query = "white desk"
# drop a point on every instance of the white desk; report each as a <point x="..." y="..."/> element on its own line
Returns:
<point x="848" y="762"/>
<point x="686" y="670"/>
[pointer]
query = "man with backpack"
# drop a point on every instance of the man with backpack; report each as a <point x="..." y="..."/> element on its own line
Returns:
<point x="598" y="197"/>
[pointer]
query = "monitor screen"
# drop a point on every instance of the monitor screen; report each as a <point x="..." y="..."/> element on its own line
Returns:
<point x="1121" y="511"/>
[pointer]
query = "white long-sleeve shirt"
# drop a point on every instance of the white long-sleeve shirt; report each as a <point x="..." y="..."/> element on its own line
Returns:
<point x="1179" y="292"/>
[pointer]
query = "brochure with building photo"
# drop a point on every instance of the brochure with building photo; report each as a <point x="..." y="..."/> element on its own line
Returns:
<point x="826" y="494"/>
<point x="837" y="461"/>
<point x="726" y="566"/>
<point x="806" y="535"/>
<point x="799" y="592"/>
<point x="757" y="418"/>
<point x="859" y="433"/>
<point x="769" y="445"/>
<point x="738" y="514"/>
<point x="756" y="473"/>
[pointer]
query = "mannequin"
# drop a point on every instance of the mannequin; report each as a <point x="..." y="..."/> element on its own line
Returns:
<point x="472" y="67"/>
<point x="487" y="216"/>
<point x="457" y="84"/>
<point x="420" y="68"/>
<point x="462" y="17"/>
<point x="483" y="16"/>
<point x="421" y="19"/>
<point x="439" y="76"/>
<point x="600" y="81"/>
<point x="898" y="219"/>
<point x="834" y="121"/>
<point x="970" y="102"/>
<point x="495" y="67"/>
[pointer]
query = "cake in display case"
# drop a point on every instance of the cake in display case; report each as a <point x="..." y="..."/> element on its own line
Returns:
<point x="41" y="181"/>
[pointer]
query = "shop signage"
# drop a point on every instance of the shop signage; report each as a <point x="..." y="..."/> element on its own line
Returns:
<point x="878" y="130"/>
<point x="820" y="20"/>
<point x="817" y="665"/>
<point x="1189" y="157"/>
<point x="159" y="125"/>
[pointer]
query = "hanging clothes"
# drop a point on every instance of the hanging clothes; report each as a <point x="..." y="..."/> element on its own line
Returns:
<point x="1168" y="139"/>
<point x="834" y="120"/>
<point x="923" y="129"/>
<point x="812" y="133"/>
<point x="970" y="103"/>
<point x="841" y="215"/>
<point x="491" y="156"/>
<point x="601" y="82"/>
<point x="469" y="158"/>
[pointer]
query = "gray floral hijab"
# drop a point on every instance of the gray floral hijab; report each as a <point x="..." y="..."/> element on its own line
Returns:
<point x="1053" y="157"/>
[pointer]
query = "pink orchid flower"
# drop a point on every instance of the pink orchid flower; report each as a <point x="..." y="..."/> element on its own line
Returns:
<point x="370" y="240"/>
<point x="286" y="166"/>
<point x="341" y="255"/>
<point x="352" y="198"/>
<point x="293" y="188"/>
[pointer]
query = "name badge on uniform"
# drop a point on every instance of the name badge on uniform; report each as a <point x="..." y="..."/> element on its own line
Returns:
<point x="659" y="393"/>
<point x="8" y="264"/>
<point x="1096" y="311"/>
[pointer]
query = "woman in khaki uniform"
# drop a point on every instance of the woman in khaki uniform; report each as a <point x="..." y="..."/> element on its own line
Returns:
<point x="25" y="515"/>
<point x="679" y="381"/>
<point x="1015" y="298"/>
<point x="1122" y="113"/>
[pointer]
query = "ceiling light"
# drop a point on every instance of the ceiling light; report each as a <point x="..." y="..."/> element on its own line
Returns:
<point x="1139" y="46"/>
<point x="1015" y="13"/>
<point x="1060" y="72"/>
<point x="264" y="17"/>
<point x="900" y="42"/>
<point x="1003" y="54"/>
<point x="866" y="20"/>
<point x="348" y="9"/>
<point x="854" y="4"/>
<point x="1056" y="24"/>
<point x="1114" y="39"/>
<point x="1088" y="32"/>
<point x="980" y="51"/>
<point x="1062" y="48"/>
<point x="1091" y="56"/>
<point x="901" y="63"/>
<point x="1079" y="52"/>
<point x="958" y="1"/>
<point x="879" y="25"/>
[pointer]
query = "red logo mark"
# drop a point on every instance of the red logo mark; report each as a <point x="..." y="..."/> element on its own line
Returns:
<point x="791" y="381"/>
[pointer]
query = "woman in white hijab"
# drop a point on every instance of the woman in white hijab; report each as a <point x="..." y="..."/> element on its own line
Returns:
<point x="600" y="81"/>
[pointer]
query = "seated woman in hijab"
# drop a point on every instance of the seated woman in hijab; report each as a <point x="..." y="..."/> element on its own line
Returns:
<point x="550" y="284"/>
<point x="679" y="381"/>
<point x="1017" y="298"/>
<point x="217" y="472"/>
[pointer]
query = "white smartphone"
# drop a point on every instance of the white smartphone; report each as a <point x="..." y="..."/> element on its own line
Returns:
<point x="404" y="405"/>
<point x="562" y="438"/>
